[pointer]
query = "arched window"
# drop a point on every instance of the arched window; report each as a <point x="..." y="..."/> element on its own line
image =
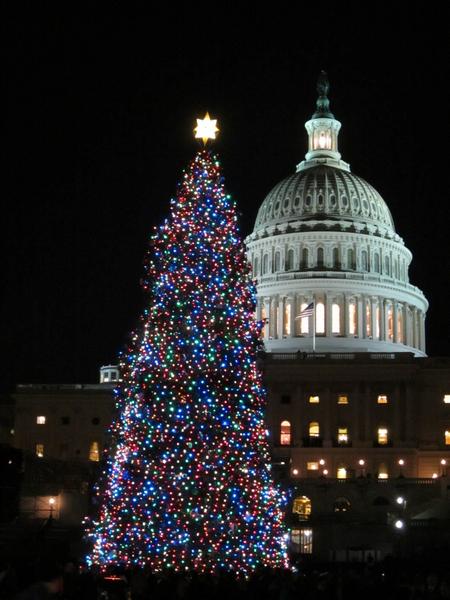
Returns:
<point x="386" y="265"/>
<point x="336" y="318"/>
<point x="314" y="429"/>
<point x="290" y="259"/>
<point x="304" y="321"/>
<point x="396" y="268"/>
<point x="341" y="505"/>
<point x="256" y="267"/>
<point x="364" y="261"/>
<point x="305" y="258"/>
<point x="352" y="322"/>
<point x="265" y="264"/>
<point x="350" y="259"/>
<point x="94" y="452"/>
<point x="376" y="262"/>
<point x="382" y="436"/>
<point x="277" y="261"/>
<point x="285" y="433"/>
<point x="320" y="257"/>
<point x="336" y="262"/>
<point x="302" y="507"/>
<point x="320" y="317"/>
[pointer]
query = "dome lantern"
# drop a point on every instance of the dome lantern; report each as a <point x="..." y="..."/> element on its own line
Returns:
<point x="323" y="130"/>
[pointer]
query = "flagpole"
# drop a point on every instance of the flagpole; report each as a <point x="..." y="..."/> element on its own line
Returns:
<point x="314" y="325"/>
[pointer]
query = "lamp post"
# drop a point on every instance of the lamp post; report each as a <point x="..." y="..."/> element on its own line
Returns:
<point x="401" y="464"/>
<point x="444" y="467"/>
<point x="361" y="463"/>
<point x="52" y="504"/>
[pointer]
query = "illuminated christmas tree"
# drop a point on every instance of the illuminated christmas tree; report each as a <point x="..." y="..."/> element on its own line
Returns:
<point x="187" y="483"/>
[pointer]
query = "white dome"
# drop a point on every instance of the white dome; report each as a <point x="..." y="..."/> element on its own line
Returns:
<point x="326" y="237"/>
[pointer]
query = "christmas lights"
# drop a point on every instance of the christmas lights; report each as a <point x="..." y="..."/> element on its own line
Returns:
<point x="187" y="482"/>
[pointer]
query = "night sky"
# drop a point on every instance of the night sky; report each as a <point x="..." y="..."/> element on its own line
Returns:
<point x="99" y="116"/>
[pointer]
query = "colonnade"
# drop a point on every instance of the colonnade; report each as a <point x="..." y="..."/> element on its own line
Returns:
<point x="342" y="315"/>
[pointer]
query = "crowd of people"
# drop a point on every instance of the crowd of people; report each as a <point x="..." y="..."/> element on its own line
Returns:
<point x="386" y="580"/>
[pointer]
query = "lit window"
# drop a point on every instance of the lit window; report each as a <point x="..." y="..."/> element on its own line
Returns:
<point x="342" y="473"/>
<point x="304" y="321"/>
<point x="312" y="466"/>
<point x="314" y="399"/>
<point x="400" y="327"/>
<point x="352" y="318"/>
<point x="342" y="399"/>
<point x="336" y="318"/>
<point x="314" y="430"/>
<point x="40" y="450"/>
<point x="382" y="399"/>
<point x="94" y="452"/>
<point x="302" y="507"/>
<point x="390" y="322"/>
<point x="382" y="436"/>
<point x="368" y="319"/>
<point x="320" y="318"/>
<point x="287" y="319"/>
<point x="377" y="323"/>
<point x="447" y="399"/>
<point x="285" y="433"/>
<point x="342" y="435"/>
<point x="40" y="420"/>
<point x="302" y="540"/>
<point x="383" y="472"/>
<point x="447" y="437"/>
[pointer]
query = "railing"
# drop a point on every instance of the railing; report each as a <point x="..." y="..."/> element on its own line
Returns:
<point x="301" y="356"/>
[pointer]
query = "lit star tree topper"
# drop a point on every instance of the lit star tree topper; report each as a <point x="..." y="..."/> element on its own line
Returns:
<point x="206" y="128"/>
<point x="187" y="482"/>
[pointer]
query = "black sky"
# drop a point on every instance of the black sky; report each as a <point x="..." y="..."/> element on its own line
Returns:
<point x="99" y="113"/>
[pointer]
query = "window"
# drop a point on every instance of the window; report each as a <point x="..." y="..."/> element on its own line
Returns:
<point x="320" y="257"/>
<point x="368" y="319"/>
<point x="386" y="265"/>
<point x="290" y="260"/>
<point x="255" y="267"/>
<point x="447" y="437"/>
<point x="95" y="421"/>
<point x="304" y="321"/>
<point x="342" y="435"/>
<point x="40" y="450"/>
<point x="447" y="399"/>
<point x="382" y="399"/>
<point x="302" y="507"/>
<point x="40" y="420"/>
<point x="342" y="399"/>
<point x="94" y="452"/>
<point x="314" y="429"/>
<point x="302" y="540"/>
<point x="342" y="473"/>
<point x="350" y="259"/>
<point x="287" y="319"/>
<point x="320" y="318"/>
<point x="336" y="258"/>
<point x="277" y="261"/>
<point x="336" y="318"/>
<point x="314" y="399"/>
<point x="285" y="399"/>
<point x="285" y="433"/>
<point x="382" y="436"/>
<point x="65" y="420"/>
<point x="341" y="505"/>
<point x="364" y="261"/>
<point x="400" y="326"/>
<point x="376" y="259"/>
<point x="265" y="264"/>
<point x="383" y="472"/>
<point x="312" y="466"/>
<point x="113" y="376"/>
<point x="352" y="317"/>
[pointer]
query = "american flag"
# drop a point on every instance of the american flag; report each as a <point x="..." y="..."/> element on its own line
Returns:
<point x="306" y="312"/>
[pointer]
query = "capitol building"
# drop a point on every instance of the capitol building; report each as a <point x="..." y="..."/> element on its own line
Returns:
<point x="358" y="415"/>
<point x="325" y="236"/>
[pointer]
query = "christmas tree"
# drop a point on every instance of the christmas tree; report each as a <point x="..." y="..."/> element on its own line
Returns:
<point x="187" y="482"/>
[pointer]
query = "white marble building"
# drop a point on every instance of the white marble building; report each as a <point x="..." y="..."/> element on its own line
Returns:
<point x="325" y="235"/>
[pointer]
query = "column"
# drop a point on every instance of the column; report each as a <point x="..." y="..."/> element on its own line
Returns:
<point x="373" y="315"/>
<point x="280" y="317"/>
<point x="422" y="331"/>
<point x="364" y="315"/>
<point x="360" y="318"/>
<point x="328" y="300"/>
<point x="395" y="320"/>
<point x="258" y="309"/>
<point x="345" y="304"/>
<point x="381" y="304"/>
<point x="415" y="328"/>
<point x="291" y="316"/>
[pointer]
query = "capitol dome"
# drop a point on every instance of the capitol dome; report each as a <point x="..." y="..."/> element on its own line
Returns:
<point x="324" y="241"/>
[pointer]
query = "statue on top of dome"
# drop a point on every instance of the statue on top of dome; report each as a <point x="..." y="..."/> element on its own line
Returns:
<point x="323" y="103"/>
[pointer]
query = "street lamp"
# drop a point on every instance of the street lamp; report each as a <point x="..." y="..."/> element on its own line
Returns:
<point x="444" y="467"/>
<point x="52" y="504"/>
<point x="401" y="464"/>
<point x="361" y="463"/>
<point x="399" y="524"/>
